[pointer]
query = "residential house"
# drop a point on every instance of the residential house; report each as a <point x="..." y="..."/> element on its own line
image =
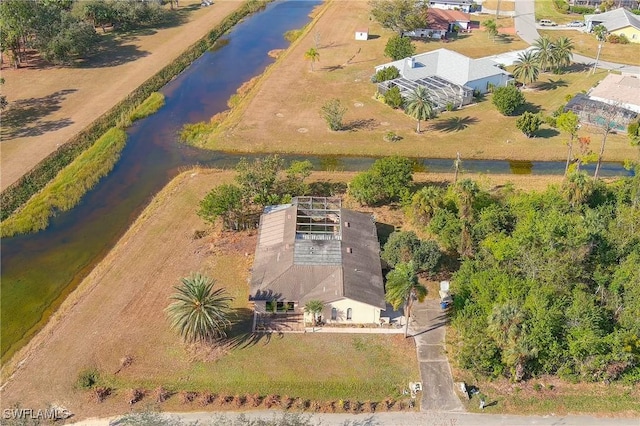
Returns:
<point x="596" y="112"/>
<point x="449" y="76"/>
<point x="362" y="34"/>
<point x="618" y="21"/>
<point x="466" y="6"/>
<point x="439" y="22"/>
<point x="618" y="90"/>
<point x="313" y="249"/>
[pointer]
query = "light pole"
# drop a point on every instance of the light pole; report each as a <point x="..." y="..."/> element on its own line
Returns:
<point x="595" y="65"/>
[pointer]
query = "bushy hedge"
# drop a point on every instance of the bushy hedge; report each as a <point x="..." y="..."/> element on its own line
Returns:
<point x="561" y="6"/>
<point x="20" y="191"/>
<point x="583" y="10"/>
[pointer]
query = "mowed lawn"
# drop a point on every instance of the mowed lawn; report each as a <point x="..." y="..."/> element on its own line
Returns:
<point x="282" y="113"/>
<point x="587" y="45"/>
<point x="545" y="9"/>
<point x="315" y="366"/>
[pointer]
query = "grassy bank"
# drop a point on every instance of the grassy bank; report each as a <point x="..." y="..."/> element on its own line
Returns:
<point x="18" y="193"/>
<point x="68" y="187"/>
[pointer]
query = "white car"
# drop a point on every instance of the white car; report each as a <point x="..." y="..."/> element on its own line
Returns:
<point x="546" y="23"/>
<point x="575" y="24"/>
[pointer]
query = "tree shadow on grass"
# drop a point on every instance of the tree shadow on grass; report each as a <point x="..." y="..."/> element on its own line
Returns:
<point x="240" y="334"/>
<point x="547" y="133"/>
<point x="112" y="51"/>
<point x="25" y="117"/>
<point x="454" y="124"/>
<point x="332" y="68"/>
<point x="361" y="124"/>
<point x="503" y="39"/>
<point x="528" y="107"/>
<point x="550" y="85"/>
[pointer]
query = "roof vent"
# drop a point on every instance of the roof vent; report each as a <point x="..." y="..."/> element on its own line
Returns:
<point x="349" y="250"/>
<point x="347" y="224"/>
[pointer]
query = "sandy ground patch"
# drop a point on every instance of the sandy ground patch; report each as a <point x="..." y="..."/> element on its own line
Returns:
<point x="63" y="100"/>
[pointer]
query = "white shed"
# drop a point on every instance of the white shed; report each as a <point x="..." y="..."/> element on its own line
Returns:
<point x="362" y="34"/>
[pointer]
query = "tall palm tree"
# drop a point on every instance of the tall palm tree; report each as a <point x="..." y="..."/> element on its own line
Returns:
<point x="403" y="288"/>
<point x="544" y="51"/>
<point x="467" y="192"/>
<point x="314" y="307"/>
<point x="563" y="52"/>
<point x="312" y="55"/>
<point x="419" y="105"/>
<point x="199" y="313"/>
<point x="526" y="67"/>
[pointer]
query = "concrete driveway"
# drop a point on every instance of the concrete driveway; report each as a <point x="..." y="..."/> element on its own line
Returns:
<point x="427" y="326"/>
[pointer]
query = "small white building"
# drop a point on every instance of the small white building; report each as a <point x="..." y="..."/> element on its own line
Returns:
<point x="362" y="34"/>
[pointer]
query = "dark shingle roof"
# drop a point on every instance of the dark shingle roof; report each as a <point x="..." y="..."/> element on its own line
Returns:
<point x="344" y="262"/>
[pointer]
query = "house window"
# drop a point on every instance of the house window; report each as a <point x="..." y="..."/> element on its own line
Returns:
<point x="334" y="314"/>
<point x="349" y="313"/>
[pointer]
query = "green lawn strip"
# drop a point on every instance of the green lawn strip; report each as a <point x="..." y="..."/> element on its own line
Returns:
<point x="68" y="187"/>
<point x="614" y="399"/>
<point x="364" y="367"/>
<point x="545" y="9"/>
<point x="587" y="45"/>
<point x="153" y="103"/>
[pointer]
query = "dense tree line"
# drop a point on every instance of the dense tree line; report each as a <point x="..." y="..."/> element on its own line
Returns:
<point x="549" y="282"/>
<point x="63" y="30"/>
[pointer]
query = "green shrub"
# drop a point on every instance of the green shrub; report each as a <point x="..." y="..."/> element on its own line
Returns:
<point x="293" y="35"/>
<point x="87" y="378"/>
<point x="583" y="10"/>
<point x="192" y="133"/>
<point x="617" y="39"/>
<point x="387" y="73"/>
<point x="508" y="99"/>
<point x="561" y="6"/>
<point x="68" y="187"/>
<point x="393" y="98"/>
<point x="529" y="123"/>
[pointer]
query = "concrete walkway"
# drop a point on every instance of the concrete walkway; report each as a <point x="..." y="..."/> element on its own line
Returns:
<point x="427" y="326"/>
<point x="525" y="23"/>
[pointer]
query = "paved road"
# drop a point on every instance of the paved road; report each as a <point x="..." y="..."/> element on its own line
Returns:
<point x="428" y="328"/>
<point x="395" y="419"/>
<point x="525" y="23"/>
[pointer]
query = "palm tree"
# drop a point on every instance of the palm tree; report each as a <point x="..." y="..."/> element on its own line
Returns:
<point x="578" y="188"/>
<point x="312" y="55"/>
<point x="467" y="192"/>
<point x="314" y="307"/>
<point x="419" y="105"/>
<point x="403" y="288"/>
<point x="544" y="52"/>
<point x="526" y="67"/>
<point x="563" y="52"/>
<point x="199" y="313"/>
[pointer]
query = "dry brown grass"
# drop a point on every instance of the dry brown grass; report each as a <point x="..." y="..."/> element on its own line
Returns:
<point x="282" y="113"/>
<point x="64" y="100"/>
<point x="505" y="5"/>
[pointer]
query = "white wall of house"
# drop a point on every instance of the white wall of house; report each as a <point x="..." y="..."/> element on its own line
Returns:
<point x="444" y="4"/>
<point x="361" y="313"/>
<point x="362" y="35"/>
<point x="482" y="84"/>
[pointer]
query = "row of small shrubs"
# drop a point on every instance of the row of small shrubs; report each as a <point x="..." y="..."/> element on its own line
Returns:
<point x="19" y="192"/>
<point x="561" y="6"/>
<point x="206" y="398"/>
<point x="583" y="10"/>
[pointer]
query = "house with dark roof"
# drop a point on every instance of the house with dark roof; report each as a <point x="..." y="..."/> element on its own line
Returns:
<point x="439" y="22"/>
<point x="313" y="249"/>
<point x="619" y="21"/>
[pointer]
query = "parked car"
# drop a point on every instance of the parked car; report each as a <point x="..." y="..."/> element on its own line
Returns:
<point x="575" y="24"/>
<point x="547" y="23"/>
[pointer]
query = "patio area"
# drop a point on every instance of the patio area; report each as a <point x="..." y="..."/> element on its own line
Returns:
<point x="279" y="323"/>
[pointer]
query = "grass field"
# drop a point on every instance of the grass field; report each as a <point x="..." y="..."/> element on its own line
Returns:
<point x="546" y="10"/>
<point x="276" y="117"/>
<point x="587" y="45"/>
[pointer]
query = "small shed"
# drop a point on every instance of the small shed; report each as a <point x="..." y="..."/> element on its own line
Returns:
<point x="362" y="34"/>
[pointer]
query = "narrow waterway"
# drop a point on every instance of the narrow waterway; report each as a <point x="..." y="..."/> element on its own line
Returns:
<point x="40" y="270"/>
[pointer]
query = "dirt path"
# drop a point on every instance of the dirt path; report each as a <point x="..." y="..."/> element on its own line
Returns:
<point x="56" y="103"/>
